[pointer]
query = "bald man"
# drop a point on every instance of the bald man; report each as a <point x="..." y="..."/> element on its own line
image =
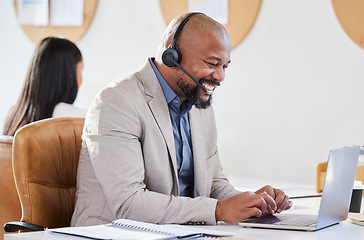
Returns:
<point x="149" y="149"/>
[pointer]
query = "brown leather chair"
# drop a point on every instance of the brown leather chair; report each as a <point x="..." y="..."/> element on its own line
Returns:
<point x="45" y="160"/>
<point x="321" y="172"/>
<point x="10" y="209"/>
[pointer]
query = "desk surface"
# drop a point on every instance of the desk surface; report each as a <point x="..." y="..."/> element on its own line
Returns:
<point x="343" y="230"/>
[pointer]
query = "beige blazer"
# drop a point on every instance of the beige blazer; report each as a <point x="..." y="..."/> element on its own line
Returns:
<point x="128" y="166"/>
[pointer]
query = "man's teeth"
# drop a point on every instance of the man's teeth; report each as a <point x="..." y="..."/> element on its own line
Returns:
<point x="208" y="87"/>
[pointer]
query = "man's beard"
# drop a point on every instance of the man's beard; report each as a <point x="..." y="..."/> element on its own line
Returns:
<point x="192" y="94"/>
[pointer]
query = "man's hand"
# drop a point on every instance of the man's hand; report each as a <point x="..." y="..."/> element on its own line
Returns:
<point x="281" y="199"/>
<point x="266" y="200"/>
<point x="244" y="205"/>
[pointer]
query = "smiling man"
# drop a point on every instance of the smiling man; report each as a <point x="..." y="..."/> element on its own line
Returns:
<point x="149" y="149"/>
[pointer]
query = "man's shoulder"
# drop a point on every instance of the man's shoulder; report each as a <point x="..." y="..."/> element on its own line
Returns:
<point x="132" y="82"/>
<point x="120" y="90"/>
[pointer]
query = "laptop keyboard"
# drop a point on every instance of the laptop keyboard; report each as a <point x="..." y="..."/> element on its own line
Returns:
<point x="303" y="220"/>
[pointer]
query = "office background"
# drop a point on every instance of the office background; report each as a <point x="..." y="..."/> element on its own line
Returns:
<point x="294" y="89"/>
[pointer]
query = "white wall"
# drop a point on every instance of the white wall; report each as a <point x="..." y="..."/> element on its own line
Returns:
<point x="294" y="89"/>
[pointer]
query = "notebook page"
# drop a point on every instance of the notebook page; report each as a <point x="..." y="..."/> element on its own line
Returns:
<point x="109" y="232"/>
<point x="173" y="229"/>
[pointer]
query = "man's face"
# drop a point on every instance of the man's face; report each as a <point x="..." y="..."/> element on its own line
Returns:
<point x="192" y="93"/>
<point x="206" y="60"/>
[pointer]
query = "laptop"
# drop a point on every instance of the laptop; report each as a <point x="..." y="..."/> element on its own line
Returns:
<point x="335" y="198"/>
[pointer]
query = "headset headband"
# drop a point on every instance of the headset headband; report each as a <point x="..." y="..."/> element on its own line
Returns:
<point x="179" y="29"/>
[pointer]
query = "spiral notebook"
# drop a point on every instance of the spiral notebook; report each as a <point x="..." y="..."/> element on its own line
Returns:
<point x="129" y="229"/>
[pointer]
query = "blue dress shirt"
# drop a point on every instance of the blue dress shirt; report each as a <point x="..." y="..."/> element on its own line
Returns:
<point x="181" y="133"/>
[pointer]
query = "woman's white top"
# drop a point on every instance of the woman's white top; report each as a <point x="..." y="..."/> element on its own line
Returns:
<point x="68" y="110"/>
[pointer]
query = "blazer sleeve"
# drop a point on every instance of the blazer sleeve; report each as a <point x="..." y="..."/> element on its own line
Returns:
<point x="221" y="187"/>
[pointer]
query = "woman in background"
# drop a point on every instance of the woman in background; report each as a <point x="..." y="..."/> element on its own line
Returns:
<point x="51" y="85"/>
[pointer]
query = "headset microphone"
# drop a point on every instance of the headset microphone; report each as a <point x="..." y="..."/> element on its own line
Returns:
<point x="188" y="74"/>
<point x="172" y="57"/>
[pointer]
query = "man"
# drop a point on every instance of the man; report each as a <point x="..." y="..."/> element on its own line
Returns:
<point x="149" y="150"/>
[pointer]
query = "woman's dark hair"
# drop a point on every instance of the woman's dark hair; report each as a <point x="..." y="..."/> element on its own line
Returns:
<point x="51" y="79"/>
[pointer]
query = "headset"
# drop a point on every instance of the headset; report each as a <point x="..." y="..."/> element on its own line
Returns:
<point x="172" y="57"/>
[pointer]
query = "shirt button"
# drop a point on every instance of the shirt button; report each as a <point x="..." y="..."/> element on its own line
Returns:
<point x="175" y="101"/>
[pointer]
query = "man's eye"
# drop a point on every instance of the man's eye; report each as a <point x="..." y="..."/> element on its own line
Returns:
<point x="212" y="64"/>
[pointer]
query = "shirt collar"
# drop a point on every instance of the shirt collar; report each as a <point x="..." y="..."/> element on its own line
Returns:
<point x="167" y="90"/>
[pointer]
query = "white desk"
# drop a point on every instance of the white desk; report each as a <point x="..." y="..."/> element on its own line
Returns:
<point x="340" y="231"/>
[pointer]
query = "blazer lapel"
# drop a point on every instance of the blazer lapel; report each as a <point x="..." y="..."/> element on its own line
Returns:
<point x="198" y="141"/>
<point x="159" y="108"/>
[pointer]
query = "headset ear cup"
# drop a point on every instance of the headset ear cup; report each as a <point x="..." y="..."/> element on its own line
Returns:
<point x="171" y="53"/>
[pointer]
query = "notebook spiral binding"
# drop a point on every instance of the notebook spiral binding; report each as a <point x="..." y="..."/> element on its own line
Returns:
<point x="211" y="237"/>
<point x="129" y="226"/>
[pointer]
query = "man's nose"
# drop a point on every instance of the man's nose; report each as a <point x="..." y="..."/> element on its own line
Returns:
<point x="219" y="74"/>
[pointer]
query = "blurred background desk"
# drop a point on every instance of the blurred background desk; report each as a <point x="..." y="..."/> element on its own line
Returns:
<point x="292" y="189"/>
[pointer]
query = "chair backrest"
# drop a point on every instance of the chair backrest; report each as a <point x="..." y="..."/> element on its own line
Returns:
<point x="10" y="209"/>
<point x="321" y="172"/>
<point x="45" y="161"/>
